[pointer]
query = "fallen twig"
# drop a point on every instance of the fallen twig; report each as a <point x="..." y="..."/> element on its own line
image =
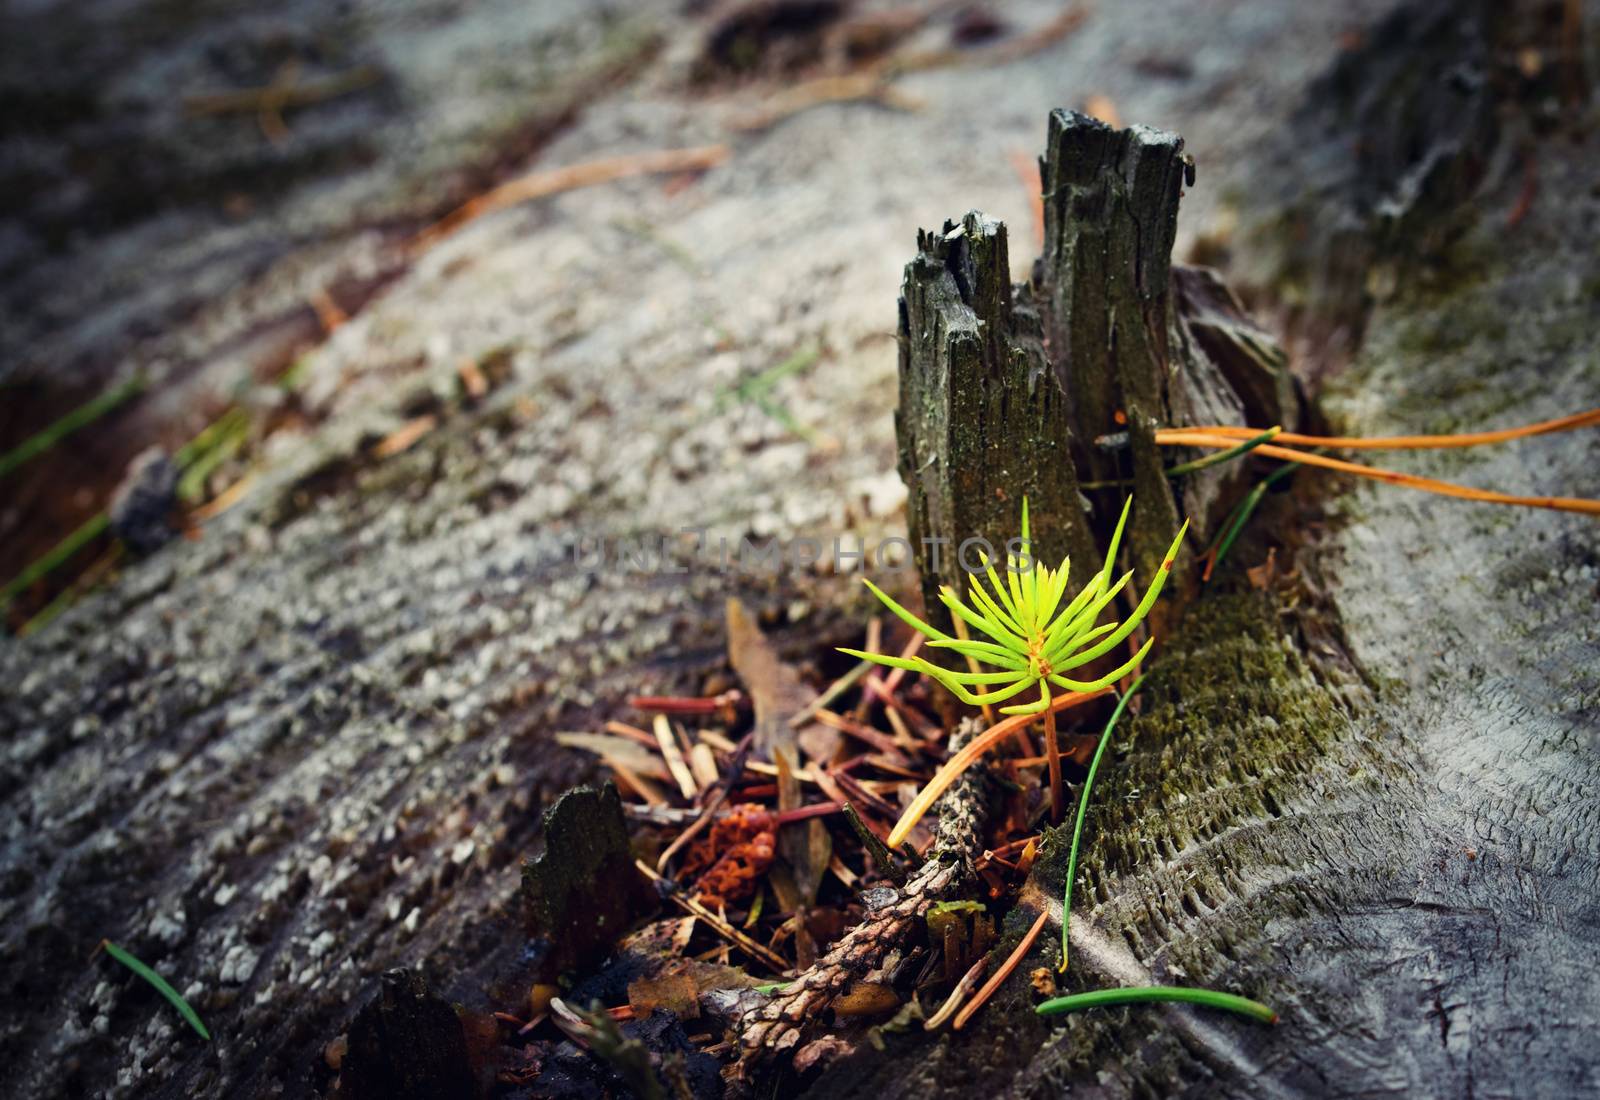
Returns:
<point x="298" y="95"/>
<point x="741" y="754"/>
<point x="1395" y="442"/>
<point x="871" y="86"/>
<point x="874" y="846"/>
<point x="958" y="995"/>
<point x="538" y="185"/>
<point x="774" y="1028"/>
<point x="1393" y="477"/>
<point x="405" y="436"/>
<point x="716" y="923"/>
<point x="964" y="759"/>
<point x="270" y="101"/>
<point x="674" y="758"/>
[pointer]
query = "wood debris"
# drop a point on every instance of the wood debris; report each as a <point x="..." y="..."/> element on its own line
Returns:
<point x="752" y="850"/>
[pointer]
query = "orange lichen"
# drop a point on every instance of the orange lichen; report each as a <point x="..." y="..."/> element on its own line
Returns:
<point x="728" y="862"/>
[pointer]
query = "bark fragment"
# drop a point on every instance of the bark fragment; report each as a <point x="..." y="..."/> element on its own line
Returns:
<point x="408" y="1042"/>
<point x="583" y="890"/>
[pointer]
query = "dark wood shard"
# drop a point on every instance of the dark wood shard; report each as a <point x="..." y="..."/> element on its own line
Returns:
<point x="583" y="891"/>
<point x="980" y="421"/>
<point x="406" y="1044"/>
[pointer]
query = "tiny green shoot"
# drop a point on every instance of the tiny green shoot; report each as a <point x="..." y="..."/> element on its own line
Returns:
<point x="161" y="986"/>
<point x="1032" y="640"/>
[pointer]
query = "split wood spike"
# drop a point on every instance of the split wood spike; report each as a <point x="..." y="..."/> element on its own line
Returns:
<point x="1004" y="390"/>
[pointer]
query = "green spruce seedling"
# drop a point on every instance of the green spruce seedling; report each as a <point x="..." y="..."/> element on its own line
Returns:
<point x="1033" y="635"/>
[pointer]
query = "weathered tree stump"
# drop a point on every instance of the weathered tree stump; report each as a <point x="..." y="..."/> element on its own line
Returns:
<point x="1009" y="390"/>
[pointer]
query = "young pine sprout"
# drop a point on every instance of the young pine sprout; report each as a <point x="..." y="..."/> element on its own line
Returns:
<point x="1032" y="635"/>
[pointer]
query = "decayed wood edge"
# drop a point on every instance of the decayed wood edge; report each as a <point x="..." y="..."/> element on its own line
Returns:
<point x="979" y="422"/>
<point x="1005" y="390"/>
<point x="772" y="1028"/>
<point x="1110" y="217"/>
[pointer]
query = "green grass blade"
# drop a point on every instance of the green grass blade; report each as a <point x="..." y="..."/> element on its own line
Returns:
<point x="1218" y="457"/>
<point x="1245" y="510"/>
<point x="764" y="382"/>
<point x="161" y="986"/>
<point x="84" y="414"/>
<point x="54" y="557"/>
<point x="1083" y="810"/>
<point x="1208" y="998"/>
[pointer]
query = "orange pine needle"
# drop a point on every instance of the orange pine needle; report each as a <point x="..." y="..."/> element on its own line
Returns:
<point x="1003" y="973"/>
<point x="405" y="436"/>
<point x="964" y="759"/>
<point x="1171" y="436"/>
<point x="1190" y="438"/>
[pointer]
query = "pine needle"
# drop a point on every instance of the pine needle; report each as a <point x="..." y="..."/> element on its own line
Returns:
<point x="1003" y="973"/>
<point x="1189" y="438"/>
<point x="1145" y="994"/>
<point x="538" y="185"/>
<point x="1398" y="442"/>
<point x="1083" y="809"/>
<point x="161" y="986"/>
